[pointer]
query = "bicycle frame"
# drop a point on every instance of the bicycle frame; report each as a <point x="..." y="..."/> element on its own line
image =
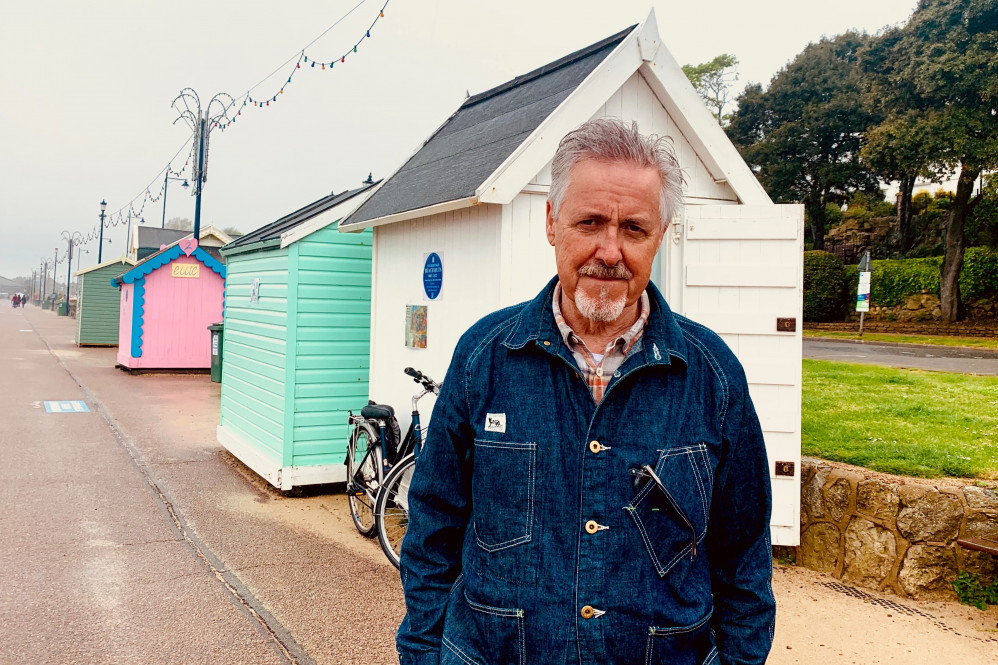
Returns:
<point x="414" y="435"/>
<point x="377" y="426"/>
<point x="411" y="443"/>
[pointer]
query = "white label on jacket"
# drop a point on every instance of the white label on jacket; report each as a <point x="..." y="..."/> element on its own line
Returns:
<point x="495" y="422"/>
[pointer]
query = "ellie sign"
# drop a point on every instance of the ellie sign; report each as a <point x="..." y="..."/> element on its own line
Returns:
<point x="192" y="270"/>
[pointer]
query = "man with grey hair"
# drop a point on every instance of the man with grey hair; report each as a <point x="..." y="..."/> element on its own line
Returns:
<point x="594" y="485"/>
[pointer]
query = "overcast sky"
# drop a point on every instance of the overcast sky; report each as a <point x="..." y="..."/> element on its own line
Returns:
<point x="86" y="92"/>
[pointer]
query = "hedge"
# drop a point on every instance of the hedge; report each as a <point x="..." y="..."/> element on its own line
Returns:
<point x="979" y="274"/>
<point x="824" y="286"/>
<point x="894" y="280"/>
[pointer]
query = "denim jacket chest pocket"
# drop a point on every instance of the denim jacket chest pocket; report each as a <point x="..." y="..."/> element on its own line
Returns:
<point x="670" y="509"/>
<point x="504" y="486"/>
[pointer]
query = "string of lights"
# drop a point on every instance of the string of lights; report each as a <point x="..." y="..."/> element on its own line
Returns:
<point x="303" y="59"/>
<point x="309" y="63"/>
<point x="122" y="215"/>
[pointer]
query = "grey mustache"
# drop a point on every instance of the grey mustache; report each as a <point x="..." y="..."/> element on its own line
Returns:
<point x="603" y="271"/>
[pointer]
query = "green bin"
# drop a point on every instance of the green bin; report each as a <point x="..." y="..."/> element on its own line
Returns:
<point x="63" y="309"/>
<point x="216" y="352"/>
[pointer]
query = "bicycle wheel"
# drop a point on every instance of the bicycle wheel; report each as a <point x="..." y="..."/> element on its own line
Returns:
<point x="363" y="462"/>
<point x="392" y="509"/>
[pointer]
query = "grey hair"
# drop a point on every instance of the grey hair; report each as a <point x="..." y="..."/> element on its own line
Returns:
<point x="611" y="140"/>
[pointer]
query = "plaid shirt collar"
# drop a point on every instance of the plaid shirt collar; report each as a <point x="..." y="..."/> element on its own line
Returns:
<point x="597" y="372"/>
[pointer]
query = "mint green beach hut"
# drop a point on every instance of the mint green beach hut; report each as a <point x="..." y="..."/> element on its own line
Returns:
<point x="296" y="342"/>
<point x="98" y="303"/>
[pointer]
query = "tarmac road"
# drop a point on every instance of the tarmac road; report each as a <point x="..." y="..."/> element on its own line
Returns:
<point x="129" y="536"/>
<point x="911" y="356"/>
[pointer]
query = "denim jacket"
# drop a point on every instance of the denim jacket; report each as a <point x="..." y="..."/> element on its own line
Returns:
<point x="538" y="535"/>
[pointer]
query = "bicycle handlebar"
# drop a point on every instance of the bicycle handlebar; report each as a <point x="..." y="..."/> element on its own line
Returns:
<point x="421" y="378"/>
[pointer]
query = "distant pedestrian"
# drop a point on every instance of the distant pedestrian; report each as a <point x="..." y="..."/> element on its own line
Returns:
<point x="16" y="300"/>
<point x="24" y="300"/>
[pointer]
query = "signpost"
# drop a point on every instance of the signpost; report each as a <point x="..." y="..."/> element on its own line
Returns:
<point x="863" y="290"/>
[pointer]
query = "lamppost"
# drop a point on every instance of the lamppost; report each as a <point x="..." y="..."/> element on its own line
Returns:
<point x="55" y="262"/>
<point x="166" y="181"/>
<point x="74" y="238"/>
<point x="79" y="260"/>
<point x="188" y="107"/>
<point x="128" y="233"/>
<point x="100" y="247"/>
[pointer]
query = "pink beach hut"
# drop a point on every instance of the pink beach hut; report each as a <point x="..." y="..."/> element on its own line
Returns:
<point x="167" y="303"/>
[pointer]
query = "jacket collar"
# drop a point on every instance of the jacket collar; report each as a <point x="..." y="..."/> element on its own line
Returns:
<point x="661" y="341"/>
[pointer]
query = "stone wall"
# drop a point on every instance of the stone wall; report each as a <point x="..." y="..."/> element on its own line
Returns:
<point x="965" y="328"/>
<point x="925" y="307"/>
<point x="888" y="533"/>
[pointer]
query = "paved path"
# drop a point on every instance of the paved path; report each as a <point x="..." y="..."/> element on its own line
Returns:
<point x="941" y="359"/>
<point x="129" y="536"/>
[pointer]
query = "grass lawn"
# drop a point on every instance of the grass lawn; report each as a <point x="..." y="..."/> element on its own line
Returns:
<point x="966" y="342"/>
<point x="900" y="421"/>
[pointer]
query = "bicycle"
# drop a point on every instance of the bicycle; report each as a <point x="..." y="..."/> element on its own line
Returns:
<point x="379" y="468"/>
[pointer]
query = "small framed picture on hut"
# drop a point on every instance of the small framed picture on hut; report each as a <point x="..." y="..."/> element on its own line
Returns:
<point x="415" y="326"/>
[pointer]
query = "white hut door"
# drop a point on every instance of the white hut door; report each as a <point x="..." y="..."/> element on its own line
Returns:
<point x="738" y="270"/>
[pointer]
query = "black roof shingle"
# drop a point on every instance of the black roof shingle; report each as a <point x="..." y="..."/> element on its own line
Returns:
<point x="154" y="237"/>
<point x="274" y="230"/>
<point x="481" y="134"/>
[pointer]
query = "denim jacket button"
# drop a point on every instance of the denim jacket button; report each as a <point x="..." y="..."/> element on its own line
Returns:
<point x="592" y="527"/>
<point x="587" y="612"/>
<point x="595" y="447"/>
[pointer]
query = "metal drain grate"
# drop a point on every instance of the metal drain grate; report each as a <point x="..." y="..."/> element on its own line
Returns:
<point x="899" y="608"/>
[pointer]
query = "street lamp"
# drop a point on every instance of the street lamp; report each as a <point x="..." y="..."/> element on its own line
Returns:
<point x="188" y="107"/>
<point x="74" y="238"/>
<point x="166" y="181"/>
<point x="100" y="247"/>
<point x="128" y="231"/>
<point x="79" y="260"/>
<point x="55" y="263"/>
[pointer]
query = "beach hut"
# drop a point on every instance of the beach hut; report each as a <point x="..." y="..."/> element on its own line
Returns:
<point x="98" y="306"/>
<point x="166" y="304"/>
<point x="459" y="231"/>
<point x="296" y="342"/>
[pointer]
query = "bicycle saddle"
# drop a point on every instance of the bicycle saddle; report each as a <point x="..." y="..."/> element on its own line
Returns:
<point x="378" y="411"/>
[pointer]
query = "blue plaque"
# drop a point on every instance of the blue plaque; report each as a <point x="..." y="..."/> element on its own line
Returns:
<point x="433" y="276"/>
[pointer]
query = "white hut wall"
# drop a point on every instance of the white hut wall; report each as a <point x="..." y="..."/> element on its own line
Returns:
<point x="468" y="242"/>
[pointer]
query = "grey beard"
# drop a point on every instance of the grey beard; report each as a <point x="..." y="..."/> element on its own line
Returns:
<point x="600" y="309"/>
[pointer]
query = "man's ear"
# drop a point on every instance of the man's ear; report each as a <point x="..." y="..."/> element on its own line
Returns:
<point x="549" y="224"/>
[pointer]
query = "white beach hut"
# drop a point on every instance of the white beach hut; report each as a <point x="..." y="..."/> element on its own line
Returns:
<point x="459" y="232"/>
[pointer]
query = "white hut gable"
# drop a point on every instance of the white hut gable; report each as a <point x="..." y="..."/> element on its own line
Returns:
<point x="477" y="156"/>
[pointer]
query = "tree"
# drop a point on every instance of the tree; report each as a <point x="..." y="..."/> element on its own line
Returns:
<point x="232" y="231"/>
<point x="803" y="134"/>
<point x="939" y="71"/>
<point x="713" y="81"/>
<point x="982" y="225"/>
<point x="895" y="152"/>
<point x="180" y="224"/>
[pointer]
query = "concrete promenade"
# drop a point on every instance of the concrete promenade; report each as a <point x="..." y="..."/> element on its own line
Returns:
<point x="130" y="536"/>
